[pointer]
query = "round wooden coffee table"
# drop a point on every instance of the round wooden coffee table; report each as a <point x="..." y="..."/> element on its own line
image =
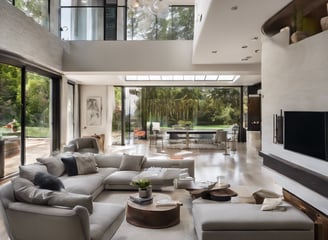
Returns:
<point x="152" y="216"/>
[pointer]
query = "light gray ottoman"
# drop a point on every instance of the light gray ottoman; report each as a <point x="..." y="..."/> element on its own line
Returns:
<point x="226" y="221"/>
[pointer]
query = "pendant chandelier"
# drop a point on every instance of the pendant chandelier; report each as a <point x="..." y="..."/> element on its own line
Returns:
<point x="160" y="8"/>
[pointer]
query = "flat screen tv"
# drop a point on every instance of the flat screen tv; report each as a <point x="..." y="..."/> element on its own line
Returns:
<point x="306" y="133"/>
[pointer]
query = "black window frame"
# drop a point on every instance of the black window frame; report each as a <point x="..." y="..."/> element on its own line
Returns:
<point x="27" y="66"/>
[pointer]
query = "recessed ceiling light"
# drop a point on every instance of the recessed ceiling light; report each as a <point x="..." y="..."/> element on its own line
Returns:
<point x="234" y="8"/>
<point x="244" y="46"/>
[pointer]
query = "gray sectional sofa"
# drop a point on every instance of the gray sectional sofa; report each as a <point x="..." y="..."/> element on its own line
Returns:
<point x="54" y="219"/>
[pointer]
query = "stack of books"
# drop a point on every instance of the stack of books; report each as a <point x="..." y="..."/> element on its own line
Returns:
<point x="167" y="203"/>
<point x="141" y="201"/>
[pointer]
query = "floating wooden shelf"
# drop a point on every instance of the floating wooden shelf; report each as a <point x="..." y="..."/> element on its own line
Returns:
<point x="312" y="11"/>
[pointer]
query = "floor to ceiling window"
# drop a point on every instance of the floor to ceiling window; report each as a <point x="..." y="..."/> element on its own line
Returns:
<point x="29" y="115"/>
<point x="195" y="107"/>
<point x="38" y="113"/>
<point x="10" y="118"/>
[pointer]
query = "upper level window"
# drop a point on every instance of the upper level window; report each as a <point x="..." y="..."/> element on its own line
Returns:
<point x="37" y="9"/>
<point x="88" y="19"/>
<point x="168" y="23"/>
<point x="125" y="20"/>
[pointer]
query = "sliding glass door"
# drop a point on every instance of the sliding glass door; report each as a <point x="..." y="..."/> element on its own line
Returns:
<point x="10" y="119"/>
<point x="37" y="115"/>
<point x="29" y="115"/>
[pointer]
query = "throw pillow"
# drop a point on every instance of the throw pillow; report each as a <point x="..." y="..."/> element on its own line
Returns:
<point x="86" y="164"/>
<point x="270" y="203"/>
<point x="28" y="171"/>
<point x="70" y="165"/>
<point x="25" y="191"/>
<point x="131" y="162"/>
<point x="260" y="195"/>
<point x="54" y="165"/>
<point x="80" y="164"/>
<point x="48" y="181"/>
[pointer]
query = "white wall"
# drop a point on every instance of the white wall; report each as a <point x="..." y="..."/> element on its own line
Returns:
<point x="294" y="77"/>
<point x="149" y="56"/>
<point x="106" y="95"/>
<point x="21" y="35"/>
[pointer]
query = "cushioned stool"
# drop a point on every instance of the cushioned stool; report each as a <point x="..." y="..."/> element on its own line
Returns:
<point x="226" y="221"/>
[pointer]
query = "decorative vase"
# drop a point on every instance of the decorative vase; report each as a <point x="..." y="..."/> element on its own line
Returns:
<point x="145" y="193"/>
<point x="324" y="23"/>
<point x="297" y="36"/>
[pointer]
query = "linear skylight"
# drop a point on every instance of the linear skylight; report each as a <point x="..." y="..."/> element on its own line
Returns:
<point x="211" y="77"/>
<point x="179" y="77"/>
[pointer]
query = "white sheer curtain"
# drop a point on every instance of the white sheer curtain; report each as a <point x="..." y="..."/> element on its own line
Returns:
<point x="110" y="111"/>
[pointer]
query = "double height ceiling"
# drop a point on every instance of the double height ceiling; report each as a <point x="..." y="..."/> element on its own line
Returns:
<point x="227" y="41"/>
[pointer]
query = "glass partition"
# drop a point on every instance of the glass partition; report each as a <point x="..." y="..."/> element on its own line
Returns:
<point x="82" y="23"/>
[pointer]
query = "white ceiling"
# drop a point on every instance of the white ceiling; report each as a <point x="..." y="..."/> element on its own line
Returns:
<point x="220" y="34"/>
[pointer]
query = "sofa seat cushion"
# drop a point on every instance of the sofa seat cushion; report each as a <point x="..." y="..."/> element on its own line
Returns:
<point x="249" y="217"/>
<point x="105" y="219"/>
<point x="120" y="177"/>
<point x="82" y="184"/>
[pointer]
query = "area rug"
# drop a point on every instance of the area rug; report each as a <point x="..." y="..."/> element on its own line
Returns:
<point x="183" y="231"/>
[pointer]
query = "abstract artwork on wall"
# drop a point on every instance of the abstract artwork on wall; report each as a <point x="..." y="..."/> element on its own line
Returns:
<point x="94" y="111"/>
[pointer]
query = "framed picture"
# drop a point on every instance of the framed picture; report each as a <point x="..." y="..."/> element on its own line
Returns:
<point x="93" y="111"/>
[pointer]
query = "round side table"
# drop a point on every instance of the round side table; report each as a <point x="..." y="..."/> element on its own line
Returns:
<point x="152" y="216"/>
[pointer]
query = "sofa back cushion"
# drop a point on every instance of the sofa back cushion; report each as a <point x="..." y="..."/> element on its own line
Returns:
<point x="108" y="161"/>
<point x="30" y="170"/>
<point x="131" y="162"/>
<point x="80" y="164"/>
<point x="26" y="191"/>
<point x="54" y="165"/>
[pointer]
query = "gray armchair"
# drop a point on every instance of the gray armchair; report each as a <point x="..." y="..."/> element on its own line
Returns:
<point x="82" y="145"/>
<point x="38" y="222"/>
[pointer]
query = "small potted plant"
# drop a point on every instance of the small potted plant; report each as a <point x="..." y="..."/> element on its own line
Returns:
<point x="144" y="187"/>
<point x="15" y="126"/>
